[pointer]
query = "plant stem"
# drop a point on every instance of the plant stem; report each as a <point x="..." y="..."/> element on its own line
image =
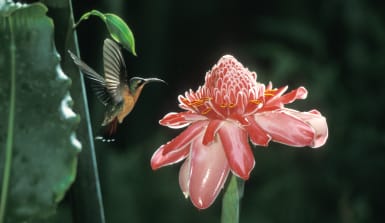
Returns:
<point x="231" y="200"/>
<point x="86" y="195"/>
<point x="86" y="15"/>
<point x="11" y="120"/>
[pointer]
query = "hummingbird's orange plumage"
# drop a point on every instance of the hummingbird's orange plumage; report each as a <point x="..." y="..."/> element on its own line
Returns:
<point x="129" y="102"/>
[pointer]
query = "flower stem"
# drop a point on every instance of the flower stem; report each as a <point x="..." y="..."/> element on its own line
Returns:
<point x="231" y="200"/>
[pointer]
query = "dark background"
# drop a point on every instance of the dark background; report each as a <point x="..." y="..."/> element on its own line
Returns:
<point x="335" y="48"/>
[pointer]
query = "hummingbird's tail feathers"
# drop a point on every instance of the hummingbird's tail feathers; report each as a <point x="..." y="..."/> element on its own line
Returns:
<point x="108" y="132"/>
<point x="98" y="83"/>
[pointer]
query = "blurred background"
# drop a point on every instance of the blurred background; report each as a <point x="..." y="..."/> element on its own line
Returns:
<point x="335" y="48"/>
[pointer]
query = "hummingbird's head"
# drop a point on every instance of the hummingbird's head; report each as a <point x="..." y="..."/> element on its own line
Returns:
<point x="137" y="83"/>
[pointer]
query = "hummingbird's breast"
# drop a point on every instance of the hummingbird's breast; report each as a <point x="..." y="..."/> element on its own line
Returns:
<point x="128" y="104"/>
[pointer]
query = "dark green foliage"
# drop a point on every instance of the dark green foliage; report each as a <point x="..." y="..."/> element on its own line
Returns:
<point x="39" y="148"/>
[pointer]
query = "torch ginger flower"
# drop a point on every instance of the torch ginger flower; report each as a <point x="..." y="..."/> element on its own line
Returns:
<point x="230" y="108"/>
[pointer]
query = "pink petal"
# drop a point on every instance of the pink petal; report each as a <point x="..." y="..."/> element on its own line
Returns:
<point x="277" y="101"/>
<point x="299" y="93"/>
<point x="288" y="127"/>
<point x="179" y="120"/>
<point x="185" y="137"/>
<point x="203" y="175"/>
<point x="317" y="122"/>
<point x="280" y="91"/>
<point x="177" y="149"/>
<point x="237" y="149"/>
<point x="257" y="135"/>
<point x="269" y="86"/>
<point x="211" y="130"/>
<point x="159" y="159"/>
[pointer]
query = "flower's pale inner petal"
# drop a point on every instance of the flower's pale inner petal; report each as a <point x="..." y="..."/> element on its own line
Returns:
<point x="237" y="149"/>
<point x="286" y="128"/>
<point x="184" y="177"/>
<point x="209" y="170"/>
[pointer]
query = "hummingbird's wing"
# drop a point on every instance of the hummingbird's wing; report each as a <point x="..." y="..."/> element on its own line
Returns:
<point x="114" y="70"/>
<point x="97" y="82"/>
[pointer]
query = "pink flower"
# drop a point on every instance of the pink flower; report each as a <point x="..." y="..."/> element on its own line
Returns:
<point x="230" y="108"/>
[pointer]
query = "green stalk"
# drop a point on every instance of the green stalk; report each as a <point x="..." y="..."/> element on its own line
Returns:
<point x="11" y="120"/>
<point x="88" y="14"/>
<point x="86" y="195"/>
<point x="231" y="200"/>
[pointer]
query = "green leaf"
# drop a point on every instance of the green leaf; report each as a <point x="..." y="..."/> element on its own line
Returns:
<point x="118" y="29"/>
<point x="38" y="146"/>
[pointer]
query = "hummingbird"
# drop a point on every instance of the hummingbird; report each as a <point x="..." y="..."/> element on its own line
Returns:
<point x="115" y="91"/>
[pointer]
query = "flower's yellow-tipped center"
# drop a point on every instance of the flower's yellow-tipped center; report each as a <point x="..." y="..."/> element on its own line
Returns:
<point x="204" y="112"/>
<point x="229" y="89"/>
<point x="205" y="105"/>
<point x="270" y="92"/>
<point x="230" y="105"/>
<point x="266" y="95"/>
<point x="196" y="102"/>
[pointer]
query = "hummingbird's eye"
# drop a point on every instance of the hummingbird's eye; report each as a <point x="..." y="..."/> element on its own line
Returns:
<point x="135" y="83"/>
<point x="140" y="82"/>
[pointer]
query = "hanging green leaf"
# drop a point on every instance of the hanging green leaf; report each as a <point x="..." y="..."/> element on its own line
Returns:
<point x="118" y="29"/>
<point x="38" y="146"/>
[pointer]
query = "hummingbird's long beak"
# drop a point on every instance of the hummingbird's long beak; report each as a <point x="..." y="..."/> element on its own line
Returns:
<point x="148" y="80"/>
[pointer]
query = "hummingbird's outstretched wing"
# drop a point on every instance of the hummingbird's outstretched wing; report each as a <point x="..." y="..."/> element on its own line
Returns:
<point x="98" y="84"/>
<point x="114" y="70"/>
